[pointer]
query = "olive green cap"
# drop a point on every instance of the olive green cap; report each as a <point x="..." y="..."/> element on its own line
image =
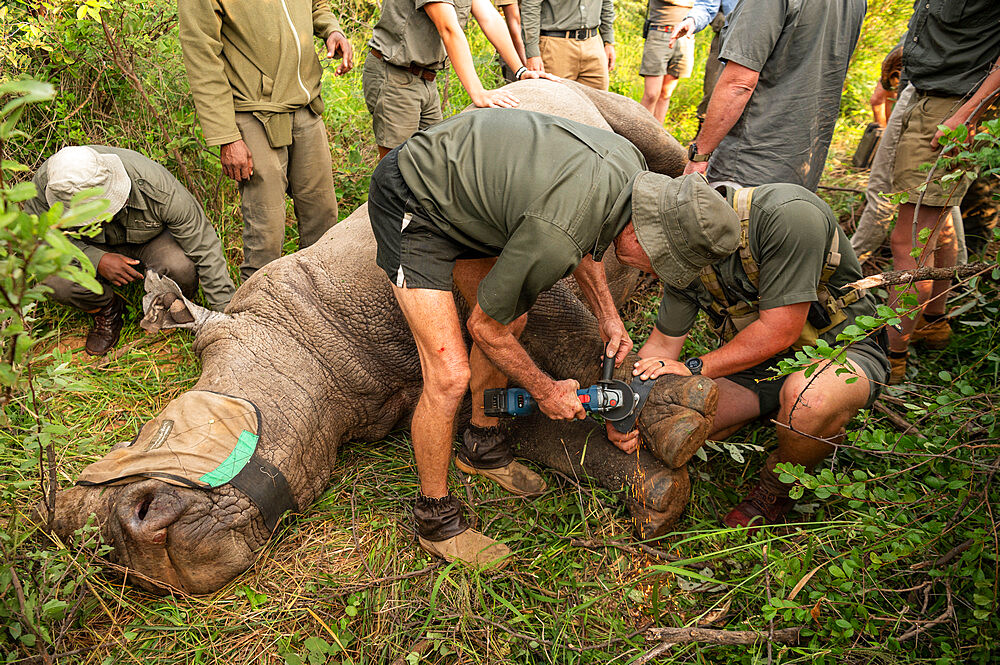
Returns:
<point x="682" y="224"/>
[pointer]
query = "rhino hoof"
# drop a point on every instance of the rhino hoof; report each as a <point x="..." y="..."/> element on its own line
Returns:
<point x="665" y="496"/>
<point x="676" y="435"/>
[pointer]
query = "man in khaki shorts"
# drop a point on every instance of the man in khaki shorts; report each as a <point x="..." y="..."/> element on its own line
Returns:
<point x="573" y="39"/>
<point x="255" y="79"/>
<point x="410" y="44"/>
<point x="663" y="64"/>
<point x="951" y="57"/>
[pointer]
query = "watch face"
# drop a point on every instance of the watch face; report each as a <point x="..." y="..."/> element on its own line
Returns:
<point x="692" y="150"/>
<point x="693" y="365"/>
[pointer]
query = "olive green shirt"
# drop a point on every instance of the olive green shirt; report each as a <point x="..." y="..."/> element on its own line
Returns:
<point x="157" y="201"/>
<point x="538" y="15"/>
<point x="252" y="56"/>
<point x="537" y="191"/>
<point x="790" y="234"/>
<point x="405" y="34"/>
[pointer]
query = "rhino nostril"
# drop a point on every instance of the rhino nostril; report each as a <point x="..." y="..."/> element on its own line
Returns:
<point x="143" y="508"/>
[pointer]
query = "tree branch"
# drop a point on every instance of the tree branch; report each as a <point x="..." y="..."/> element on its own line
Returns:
<point x="920" y="274"/>
<point x="716" y="636"/>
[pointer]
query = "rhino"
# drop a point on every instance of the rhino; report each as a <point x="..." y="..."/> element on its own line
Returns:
<point x="316" y="342"/>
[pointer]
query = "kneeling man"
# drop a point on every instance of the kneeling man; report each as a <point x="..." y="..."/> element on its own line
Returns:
<point x="155" y="224"/>
<point x="783" y="289"/>
<point x="503" y="204"/>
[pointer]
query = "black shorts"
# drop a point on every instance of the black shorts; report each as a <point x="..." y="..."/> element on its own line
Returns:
<point x="865" y="355"/>
<point x="411" y="250"/>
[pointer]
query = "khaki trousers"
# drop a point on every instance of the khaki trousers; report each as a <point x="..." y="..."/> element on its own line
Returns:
<point x="577" y="60"/>
<point x="162" y="255"/>
<point x="304" y="170"/>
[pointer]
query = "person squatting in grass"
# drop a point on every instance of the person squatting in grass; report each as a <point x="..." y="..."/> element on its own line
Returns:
<point x="410" y="44"/>
<point x="502" y="205"/>
<point x="782" y="290"/>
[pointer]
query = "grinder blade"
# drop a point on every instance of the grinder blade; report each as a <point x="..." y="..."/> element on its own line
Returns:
<point x="627" y="404"/>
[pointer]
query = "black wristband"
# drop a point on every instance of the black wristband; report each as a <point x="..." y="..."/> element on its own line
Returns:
<point x="520" y="72"/>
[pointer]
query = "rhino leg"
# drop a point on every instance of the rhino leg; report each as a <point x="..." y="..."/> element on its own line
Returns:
<point x="678" y="417"/>
<point x="655" y="494"/>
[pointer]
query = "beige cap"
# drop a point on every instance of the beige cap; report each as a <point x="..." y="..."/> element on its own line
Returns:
<point x="76" y="168"/>
<point x="682" y="224"/>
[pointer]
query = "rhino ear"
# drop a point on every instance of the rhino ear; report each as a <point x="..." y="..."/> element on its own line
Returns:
<point x="164" y="306"/>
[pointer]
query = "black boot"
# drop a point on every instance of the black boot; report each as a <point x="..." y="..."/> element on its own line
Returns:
<point x="108" y="322"/>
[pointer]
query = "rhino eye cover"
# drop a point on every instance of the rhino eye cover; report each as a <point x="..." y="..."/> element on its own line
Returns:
<point x="201" y="440"/>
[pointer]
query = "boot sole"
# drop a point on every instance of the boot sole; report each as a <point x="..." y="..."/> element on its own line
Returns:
<point x="473" y="471"/>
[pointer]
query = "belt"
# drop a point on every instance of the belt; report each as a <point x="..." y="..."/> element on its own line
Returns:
<point x="579" y="35"/>
<point x="662" y="28"/>
<point x="934" y="93"/>
<point x="416" y="70"/>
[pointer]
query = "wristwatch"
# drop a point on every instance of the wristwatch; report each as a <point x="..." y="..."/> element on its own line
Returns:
<point x="695" y="156"/>
<point x="694" y="365"/>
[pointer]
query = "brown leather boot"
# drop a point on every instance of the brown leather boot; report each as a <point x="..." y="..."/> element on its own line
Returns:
<point x="485" y="451"/>
<point x="767" y="503"/>
<point x="443" y="531"/>
<point x="897" y="368"/>
<point x="108" y="322"/>
<point x="935" y="335"/>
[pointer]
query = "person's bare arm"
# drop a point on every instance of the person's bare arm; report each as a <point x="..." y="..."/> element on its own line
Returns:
<point x="967" y="113"/>
<point x="445" y="20"/>
<point x="878" y="103"/>
<point x="512" y="16"/>
<point x="495" y="29"/>
<point x="732" y="92"/>
<point x="556" y="399"/>
<point x="775" y="330"/>
<point x="589" y="274"/>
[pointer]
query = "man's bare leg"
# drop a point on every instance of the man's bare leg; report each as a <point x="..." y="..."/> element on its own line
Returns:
<point x="441" y="529"/>
<point x="663" y="100"/>
<point x="737" y="407"/>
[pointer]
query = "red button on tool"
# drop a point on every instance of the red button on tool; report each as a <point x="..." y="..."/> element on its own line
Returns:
<point x="584" y="399"/>
<point x="612" y="403"/>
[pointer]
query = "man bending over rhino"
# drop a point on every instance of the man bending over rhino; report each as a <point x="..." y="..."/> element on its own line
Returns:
<point x="503" y="204"/>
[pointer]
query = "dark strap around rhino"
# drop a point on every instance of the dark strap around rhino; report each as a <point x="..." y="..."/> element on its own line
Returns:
<point x="641" y="388"/>
<point x="267" y="488"/>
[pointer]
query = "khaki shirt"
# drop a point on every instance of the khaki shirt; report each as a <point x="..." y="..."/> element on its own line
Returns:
<point x="405" y="34"/>
<point x="537" y="191"/>
<point x="663" y="12"/>
<point x="790" y="234"/>
<point x="252" y="56"/>
<point x="537" y="15"/>
<point x="157" y="201"/>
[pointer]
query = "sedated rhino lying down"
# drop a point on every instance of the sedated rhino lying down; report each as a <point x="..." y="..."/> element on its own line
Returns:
<point x="316" y="342"/>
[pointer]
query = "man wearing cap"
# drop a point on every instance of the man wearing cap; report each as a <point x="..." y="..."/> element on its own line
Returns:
<point x="255" y="80"/>
<point x="155" y="224"/>
<point x="783" y="289"/>
<point x="503" y="204"/>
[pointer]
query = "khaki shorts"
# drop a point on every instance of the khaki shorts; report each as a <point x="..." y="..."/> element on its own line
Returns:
<point x="401" y="103"/>
<point x="577" y="60"/>
<point x="920" y="121"/>
<point x="659" y="59"/>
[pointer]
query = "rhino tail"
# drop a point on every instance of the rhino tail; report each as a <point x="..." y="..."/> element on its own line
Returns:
<point x="164" y="306"/>
<point x="628" y="118"/>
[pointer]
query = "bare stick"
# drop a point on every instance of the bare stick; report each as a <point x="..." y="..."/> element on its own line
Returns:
<point x="717" y="636"/>
<point x="919" y="274"/>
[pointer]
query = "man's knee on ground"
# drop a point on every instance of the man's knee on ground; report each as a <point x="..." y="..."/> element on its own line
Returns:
<point x="812" y="405"/>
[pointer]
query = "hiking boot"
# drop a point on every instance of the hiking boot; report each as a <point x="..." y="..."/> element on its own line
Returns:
<point x="108" y="322"/>
<point x="767" y="503"/>
<point x="486" y="452"/>
<point x="934" y="334"/>
<point x="897" y="368"/>
<point x="443" y="531"/>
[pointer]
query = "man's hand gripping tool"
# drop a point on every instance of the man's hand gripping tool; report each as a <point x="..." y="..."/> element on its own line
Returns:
<point x="617" y="401"/>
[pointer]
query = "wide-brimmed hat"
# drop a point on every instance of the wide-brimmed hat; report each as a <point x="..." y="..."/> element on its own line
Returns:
<point x="76" y="168"/>
<point x="682" y="224"/>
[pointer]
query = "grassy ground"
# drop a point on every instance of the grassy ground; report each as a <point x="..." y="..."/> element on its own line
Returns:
<point x="345" y="582"/>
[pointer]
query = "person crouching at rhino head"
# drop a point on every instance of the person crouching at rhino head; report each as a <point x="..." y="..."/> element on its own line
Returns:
<point x="784" y="289"/>
<point x="503" y="204"/>
<point x="155" y="224"/>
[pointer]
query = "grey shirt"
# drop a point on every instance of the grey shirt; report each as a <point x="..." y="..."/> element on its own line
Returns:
<point x="802" y="49"/>
<point x="406" y="35"/>
<point x="950" y="46"/>
<point x="156" y="202"/>
<point x="538" y="15"/>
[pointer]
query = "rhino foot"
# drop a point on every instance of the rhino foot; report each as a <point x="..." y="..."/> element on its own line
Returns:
<point x="677" y="417"/>
<point x="650" y="523"/>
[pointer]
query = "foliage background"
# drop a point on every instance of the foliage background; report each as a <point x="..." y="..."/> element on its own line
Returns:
<point x="897" y="532"/>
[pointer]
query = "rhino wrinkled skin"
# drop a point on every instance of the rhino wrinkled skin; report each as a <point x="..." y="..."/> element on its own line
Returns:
<point x="316" y="341"/>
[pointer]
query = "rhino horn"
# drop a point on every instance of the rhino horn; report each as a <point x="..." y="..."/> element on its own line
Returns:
<point x="164" y="306"/>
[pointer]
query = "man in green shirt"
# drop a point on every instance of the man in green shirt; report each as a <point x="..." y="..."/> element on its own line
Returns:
<point x="155" y="225"/>
<point x="503" y="204"/>
<point x="574" y="39"/>
<point x="255" y="79"/>
<point x="783" y="289"/>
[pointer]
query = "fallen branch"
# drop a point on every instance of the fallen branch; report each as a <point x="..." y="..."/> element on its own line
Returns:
<point x="947" y="614"/>
<point x="920" y="274"/>
<point x="718" y="636"/>
<point x="898" y="421"/>
<point x="631" y="549"/>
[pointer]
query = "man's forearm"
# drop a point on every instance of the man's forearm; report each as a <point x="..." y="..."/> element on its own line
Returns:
<point x="750" y="347"/>
<point x="989" y="86"/>
<point x="589" y="274"/>
<point x="732" y="92"/>
<point x="502" y="348"/>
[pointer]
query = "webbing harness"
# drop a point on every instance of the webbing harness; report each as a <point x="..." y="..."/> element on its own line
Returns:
<point x="730" y="318"/>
